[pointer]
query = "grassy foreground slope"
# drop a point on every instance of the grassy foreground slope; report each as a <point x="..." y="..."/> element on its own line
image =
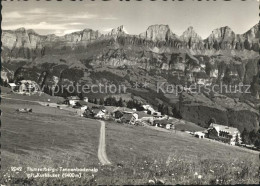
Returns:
<point x="47" y="136"/>
<point x="174" y="158"/>
<point x="51" y="137"/>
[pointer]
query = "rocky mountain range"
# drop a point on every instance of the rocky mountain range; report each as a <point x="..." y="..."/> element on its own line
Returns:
<point x="157" y="54"/>
<point x="28" y="44"/>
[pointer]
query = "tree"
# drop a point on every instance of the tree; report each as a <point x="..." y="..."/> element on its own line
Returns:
<point x="257" y="143"/>
<point x="208" y="68"/>
<point x="101" y="102"/>
<point x="165" y="110"/>
<point x="252" y="136"/>
<point x="120" y="102"/>
<point x="237" y="139"/>
<point x="176" y="113"/>
<point x="211" y="120"/>
<point x="130" y="104"/>
<point x="160" y="107"/>
<point x="180" y="101"/>
<point x="245" y="137"/>
<point x="95" y="101"/>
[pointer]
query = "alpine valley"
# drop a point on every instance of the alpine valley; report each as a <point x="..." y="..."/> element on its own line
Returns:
<point x="156" y="55"/>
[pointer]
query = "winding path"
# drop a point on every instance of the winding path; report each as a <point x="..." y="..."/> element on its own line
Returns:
<point x="102" y="156"/>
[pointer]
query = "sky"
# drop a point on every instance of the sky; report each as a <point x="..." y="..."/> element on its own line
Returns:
<point x="54" y="17"/>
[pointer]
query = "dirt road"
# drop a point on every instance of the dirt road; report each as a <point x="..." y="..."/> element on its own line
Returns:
<point x="102" y="156"/>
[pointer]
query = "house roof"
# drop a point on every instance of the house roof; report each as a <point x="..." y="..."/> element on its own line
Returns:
<point x="12" y="84"/>
<point x="95" y="110"/>
<point x="230" y="130"/>
<point x="127" y="116"/>
<point x="123" y="109"/>
<point x="73" y="98"/>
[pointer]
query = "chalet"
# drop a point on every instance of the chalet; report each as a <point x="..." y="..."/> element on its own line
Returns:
<point x="160" y="123"/>
<point x="82" y="104"/>
<point x="99" y="113"/>
<point x="134" y="118"/>
<point x="157" y="115"/>
<point x="117" y="114"/>
<point x="85" y="99"/>
<point x="148" y="108"/>
<point x="223" y="133"/>
<point x="169" y="126"/>
<point x="199" y="134"/>
<point x="126" y="118"/>
<point x="72" y="100"/>
<point x="12" y="85"/>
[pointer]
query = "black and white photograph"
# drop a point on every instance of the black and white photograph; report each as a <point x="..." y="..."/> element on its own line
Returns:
<point x="130" y="92"/>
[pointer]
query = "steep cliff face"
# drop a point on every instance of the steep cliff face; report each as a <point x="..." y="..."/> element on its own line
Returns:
<point x="27" y="44"/>
<point x="22" y="43"/>
<point x="252" y="38"/>
<point x="118" y="31"/>
<point x="86" y="35"/>
<point x="192" y="39"/>
<point x="158" y="33"/>
<point x="224" y="38"/>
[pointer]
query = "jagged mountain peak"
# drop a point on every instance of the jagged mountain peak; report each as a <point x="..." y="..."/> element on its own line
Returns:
<point x="190" y="34"/>
<point x="158" y="33"/>
<point x="253" y="32"/>
<point x="158" y="26"/>
<point x="118" y="31"/>
<point x="222" y="33"/>
<point x="22" y="29"/>
<point x="190" y="28"/>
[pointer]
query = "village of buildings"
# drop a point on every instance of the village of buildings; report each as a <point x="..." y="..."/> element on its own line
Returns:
<point x="147" y="117"/>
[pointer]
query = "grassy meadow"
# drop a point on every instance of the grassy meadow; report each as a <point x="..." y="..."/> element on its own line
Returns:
<point x="49" y="137"/>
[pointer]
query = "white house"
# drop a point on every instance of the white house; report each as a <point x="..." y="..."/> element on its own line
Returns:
<point x="85" y="99"/>
<point x="12" y="85"/>
<point x="199" y="134"/>
<point x="83" y="107"/>
<point x="168" y="126"/>
<point x="101" y="114"/>
<point x="72" y="100"/>
<point x="231" y="133"/>
<point x="134" y="118"/>
<point x="148" y="108"/>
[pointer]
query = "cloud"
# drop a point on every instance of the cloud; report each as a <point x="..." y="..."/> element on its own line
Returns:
<point x="107" y="29"/>
<point x="40" y="26"/>
<point x="70" y="31"/>
<point x="80" y="16"/>
<point x="75" y="23"/>
<point x="51" y="21"/>
<point x="12" y="15"/>
<point x="36" y="11"/>
<point x="109" y="18"/>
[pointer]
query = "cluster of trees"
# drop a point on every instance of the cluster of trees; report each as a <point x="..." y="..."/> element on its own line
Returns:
<point x="169" y="110"/>
<point x="112" y="101"/>
<point x="251" y="138"/>
<point x="135" y="104"/>
<point x="164" y="109"/>
<point x="109" y="101"/>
